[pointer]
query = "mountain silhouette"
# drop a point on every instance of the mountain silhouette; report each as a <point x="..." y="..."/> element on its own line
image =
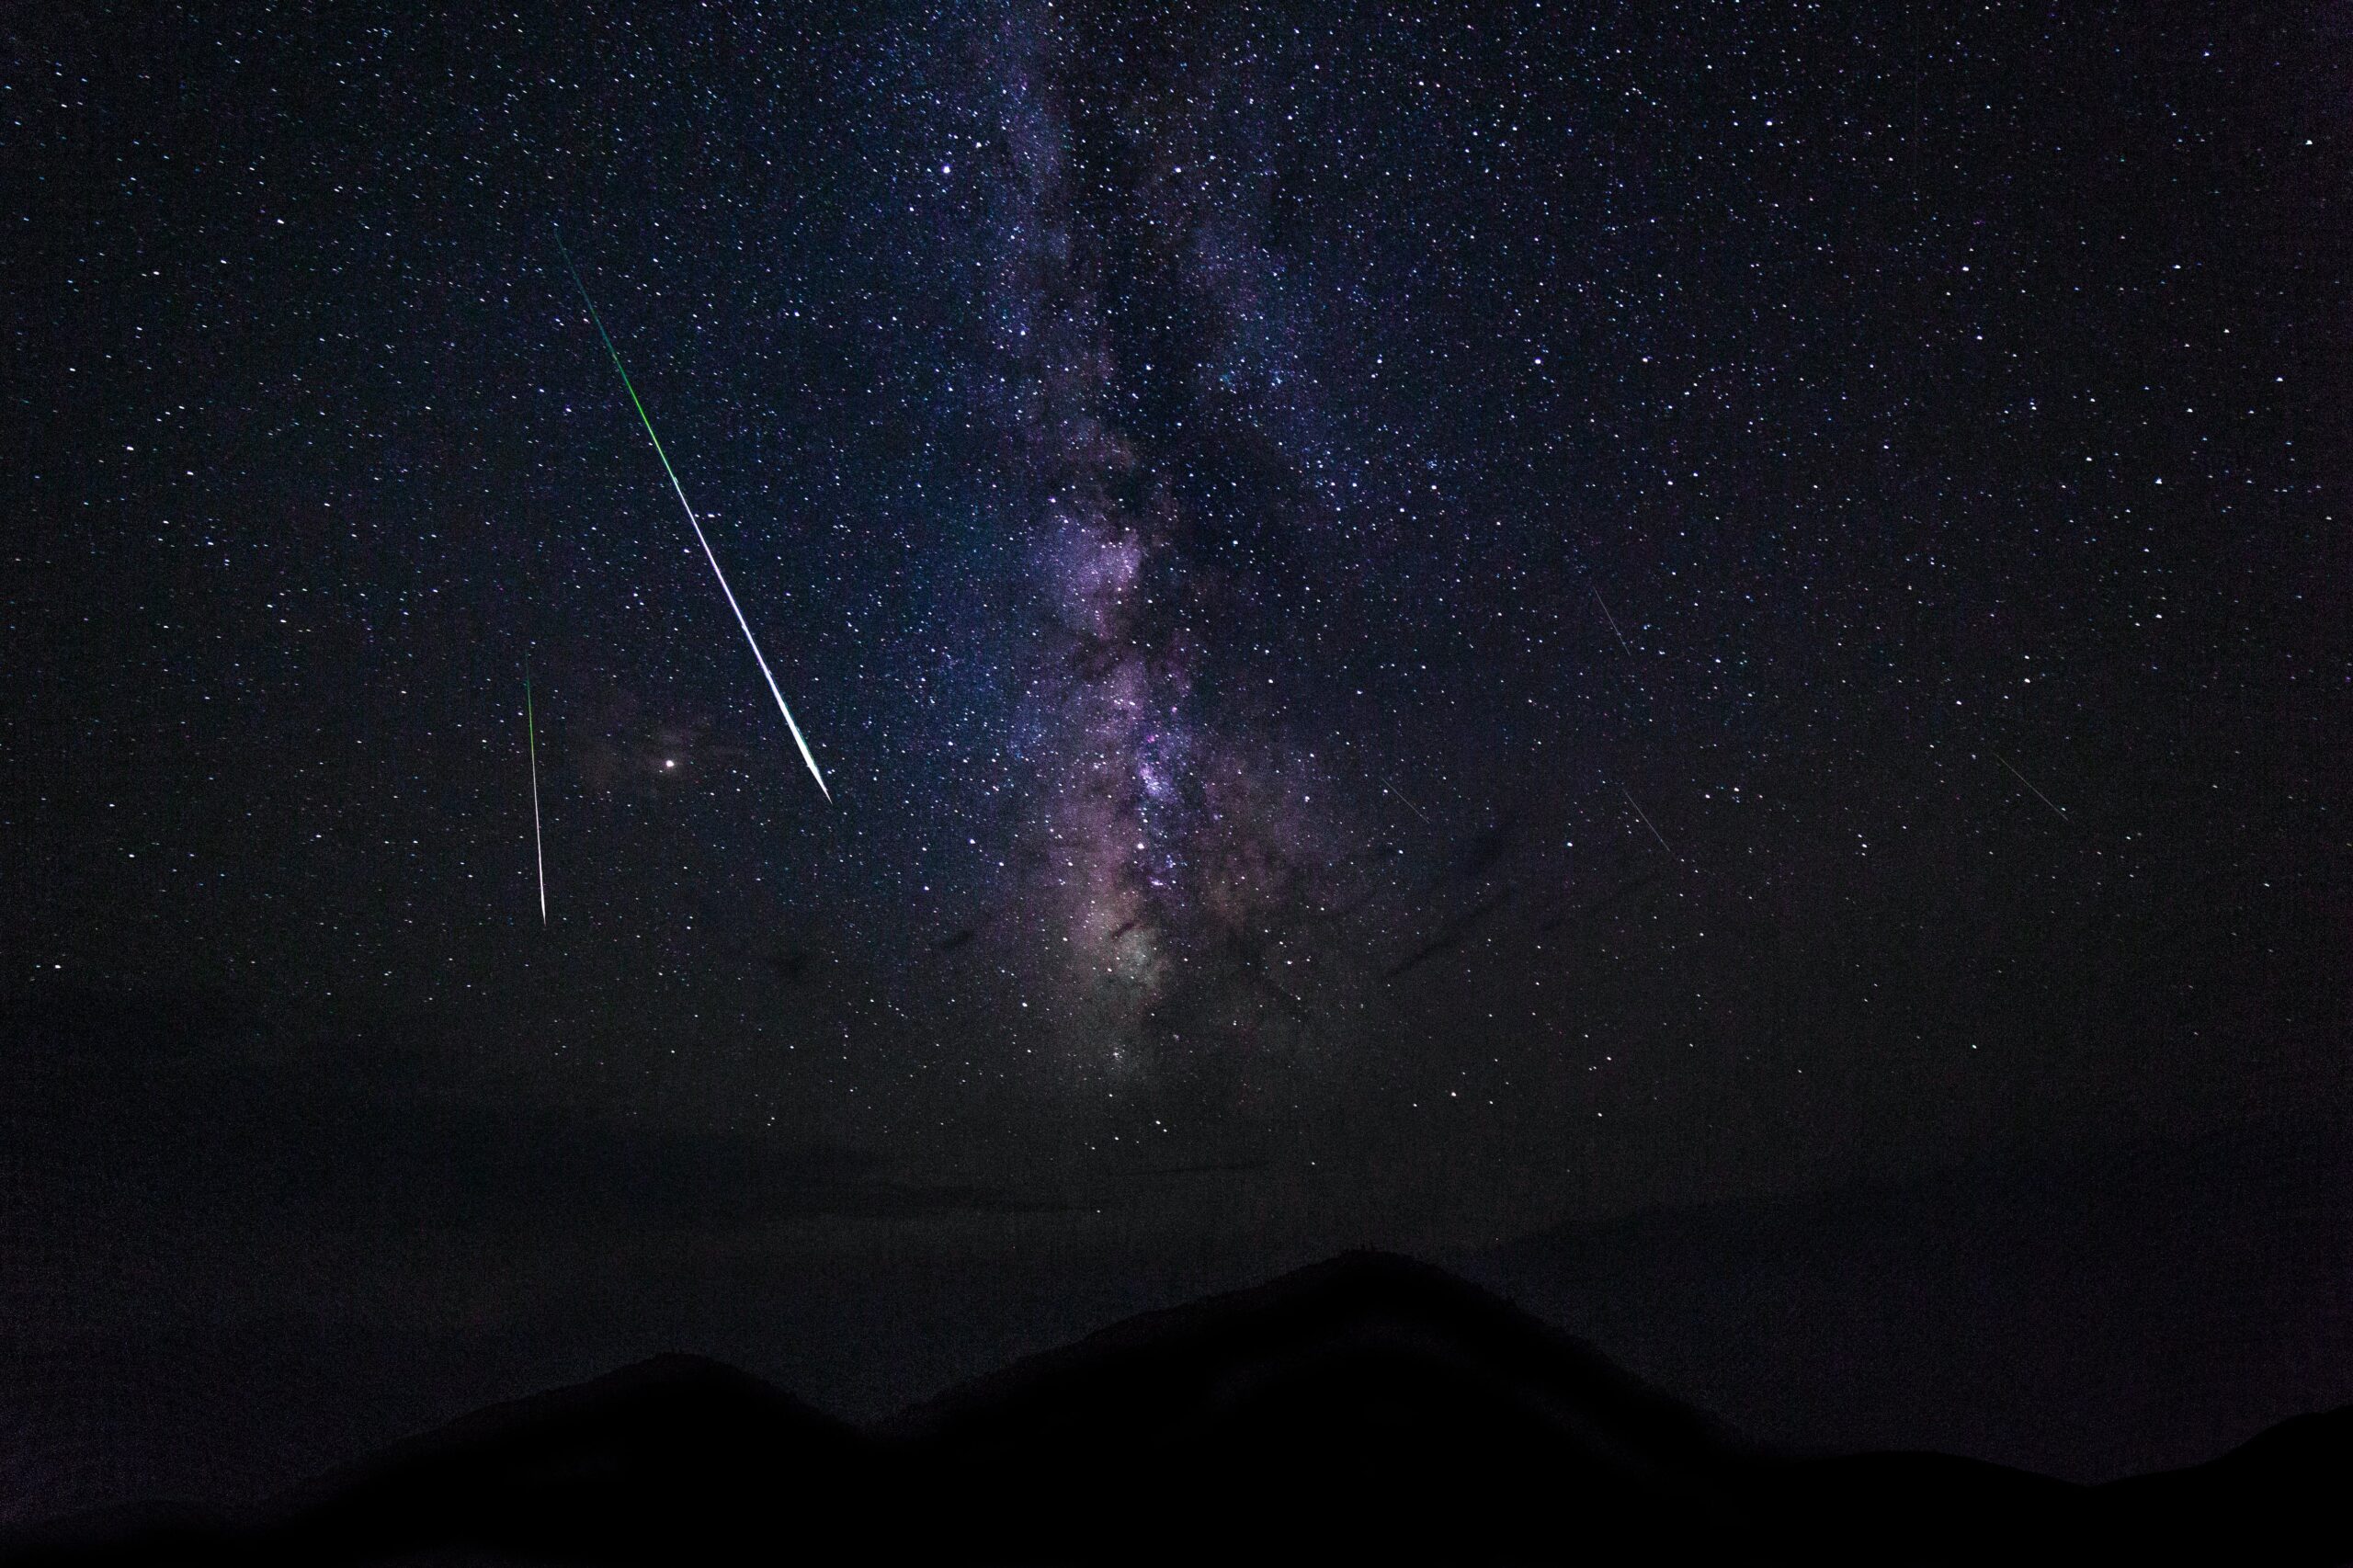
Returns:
<point x="2088" y="1314"/>
<point x="1368" y="1408"/>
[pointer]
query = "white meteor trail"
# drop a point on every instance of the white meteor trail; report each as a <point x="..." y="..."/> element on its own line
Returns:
<point x="2029" y="783"/>
<point x="1647" y="822"/>
<point x="708" y="554"/>
<point x="1632" y="672"/>
<point x="1612" y="620"/>
<point x="539" y="843"/>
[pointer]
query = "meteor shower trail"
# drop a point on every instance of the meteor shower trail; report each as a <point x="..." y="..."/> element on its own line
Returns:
<point x="1632" y="672"/>
<point x="692" y="521"/>
<point x="1402" y="800"/>
<point x="2029" y="783"/>
<point x="539" y="843"/>
<point x="1612" y="620"/>
<point x="1647" y="822"/>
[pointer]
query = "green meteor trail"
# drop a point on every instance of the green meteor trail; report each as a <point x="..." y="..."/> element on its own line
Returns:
<point x="774" y="690"/>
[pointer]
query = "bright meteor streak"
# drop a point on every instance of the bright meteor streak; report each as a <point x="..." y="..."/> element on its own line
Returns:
<point x="774" y="690"/>
<point x="539" y="843"/>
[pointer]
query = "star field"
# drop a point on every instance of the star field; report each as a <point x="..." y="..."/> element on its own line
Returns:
<point x="1458" y="621"/>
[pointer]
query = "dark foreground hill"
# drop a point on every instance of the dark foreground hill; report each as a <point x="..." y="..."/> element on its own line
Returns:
<point x="2088" y="1313"/>
<point x="1368" y="1408"/>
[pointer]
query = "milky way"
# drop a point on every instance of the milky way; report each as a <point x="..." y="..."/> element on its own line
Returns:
<point x="1178" y="845"/>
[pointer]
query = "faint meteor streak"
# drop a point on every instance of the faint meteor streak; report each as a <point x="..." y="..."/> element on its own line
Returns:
<point x="774" y="690"/>
<point x="1611" y="619"/>
<point x="2038" y="794"/>
<point x="1632" y="673"/>
<point x="1651" y="825"/>
<point x="1408" y="804"/>
<point x="539" y="843"/>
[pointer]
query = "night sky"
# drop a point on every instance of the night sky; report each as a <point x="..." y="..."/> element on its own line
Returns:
<point x="1422" y="624"/>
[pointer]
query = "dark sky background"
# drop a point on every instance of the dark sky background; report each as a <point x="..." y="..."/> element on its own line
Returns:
<point x="1424" y="627"/>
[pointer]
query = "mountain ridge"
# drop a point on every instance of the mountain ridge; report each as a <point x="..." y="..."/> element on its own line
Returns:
<point x="1370" y="1406"/>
